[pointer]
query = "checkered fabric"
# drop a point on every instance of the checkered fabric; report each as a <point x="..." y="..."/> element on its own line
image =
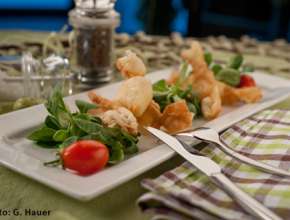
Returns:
<point x="185" y="193"/>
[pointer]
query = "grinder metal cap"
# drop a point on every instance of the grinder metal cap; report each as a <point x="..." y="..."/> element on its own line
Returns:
<point x="95" y="5"/>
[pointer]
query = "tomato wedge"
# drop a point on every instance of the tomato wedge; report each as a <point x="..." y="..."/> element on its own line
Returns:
<point x="85" y="157"/>
<point x="247" y="81"/>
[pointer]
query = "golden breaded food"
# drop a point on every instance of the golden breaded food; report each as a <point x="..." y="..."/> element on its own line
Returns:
<point x="101" y="101"/>
<point x="176" y="117"/>
<point x="211" y="105"/>
<point x="130" y="65"/>
<point x="228" y="95"/>
<point x="121" y="117"/>
<point x="249" y="94"/>
<point x="203" y="81"/>
<point x="151" y="116"/>
<point x="135" y="94"/>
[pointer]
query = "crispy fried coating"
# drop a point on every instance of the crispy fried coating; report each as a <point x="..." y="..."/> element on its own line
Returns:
<point x="176" y="117"/>
<point x="203" y="86"/>
<point x="194" y="55"/>
<point x="202" y="78"/>
<point x="231" y="95"/>
<point x="130" y="65"/>
<point x="173" y="77"/>
<point x="211" y="105"/>
<point x="121" y="117"/>
<point x="249" y="94"/>
<point x="151" y="116"/>
<point x="101" y="101"/>
<point x="97" y="112"/>
<point x="134" y="104"/>
<point x="203" y="81"/>
<point x="227" y="93"/>
<point x="135" y="94"/>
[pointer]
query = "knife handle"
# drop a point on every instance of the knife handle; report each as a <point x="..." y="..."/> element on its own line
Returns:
<point x="246" y="201"/>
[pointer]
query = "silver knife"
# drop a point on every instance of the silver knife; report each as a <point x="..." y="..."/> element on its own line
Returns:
<point x="212" y="170"/>
<point x="209" y="135"/>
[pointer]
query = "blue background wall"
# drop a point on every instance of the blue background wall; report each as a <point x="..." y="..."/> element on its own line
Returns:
<point x="35" y="4"/>
<point x="52" y="15"/>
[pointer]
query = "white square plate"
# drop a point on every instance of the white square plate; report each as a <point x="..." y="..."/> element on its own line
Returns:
<point x="23" y="156"/>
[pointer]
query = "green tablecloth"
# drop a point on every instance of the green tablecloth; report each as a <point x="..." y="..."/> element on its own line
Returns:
<point x="19" y="192"/>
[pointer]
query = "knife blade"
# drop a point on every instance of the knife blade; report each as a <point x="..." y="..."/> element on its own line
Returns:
<point x="212" y="170"/>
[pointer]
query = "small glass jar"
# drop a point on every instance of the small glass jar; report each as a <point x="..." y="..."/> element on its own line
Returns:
<point x="40" y="76"/>
<point x="93" y="43"/>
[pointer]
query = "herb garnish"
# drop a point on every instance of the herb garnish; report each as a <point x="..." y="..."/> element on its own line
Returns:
<point x="62" y="128"/>
<point x="231" y="72"/>
<point x="165" y="94"/>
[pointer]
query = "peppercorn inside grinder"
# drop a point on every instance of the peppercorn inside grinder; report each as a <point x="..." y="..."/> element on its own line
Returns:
<point x="94" y="23"/>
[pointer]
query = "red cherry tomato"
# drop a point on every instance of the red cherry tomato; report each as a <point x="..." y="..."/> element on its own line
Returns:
<point x="247" y="81"/>
<point x="85" y="157"/>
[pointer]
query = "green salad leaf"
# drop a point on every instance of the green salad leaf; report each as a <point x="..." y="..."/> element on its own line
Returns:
<point x="229" y="76"/>
<point x="51" y="122"/>
<point x="165" y="94"/>
<point x="63" y="117"/>
<point x="231" y="72"/>
<point x="236" y="62"/>
<point x="208" y="57"/>
<point x="116" y="155"/>
<point x="85" y="106"/>
<point x="88" y="126"/>
<point x="185" y="71"/>
<point x="61" y="135"/>
<point x="61" y="128"/>
<point x="248" y="69"/>
<point x="160" y="86"/>
<point x="68" y="141"/>
<point x="55" y="102"/>
<point x="43" y="134"/>
<point x="216" y="68"/>
<point x="46" y="144"/>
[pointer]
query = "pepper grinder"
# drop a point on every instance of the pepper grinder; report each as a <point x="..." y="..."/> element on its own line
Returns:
<point x="94" y="23"/>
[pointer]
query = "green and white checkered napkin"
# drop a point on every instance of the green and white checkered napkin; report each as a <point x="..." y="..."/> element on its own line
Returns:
<point x="185" y="193"/>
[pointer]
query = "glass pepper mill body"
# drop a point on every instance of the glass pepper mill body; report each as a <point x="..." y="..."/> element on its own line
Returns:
<point x="93" y="44"/>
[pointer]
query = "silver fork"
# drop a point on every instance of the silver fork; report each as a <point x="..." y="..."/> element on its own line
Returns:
<point x="214" y="172"/>
<point x="209" y="135"/>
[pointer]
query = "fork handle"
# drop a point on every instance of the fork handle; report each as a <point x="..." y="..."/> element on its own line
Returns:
<point x="249" y="204"/>
<point x="258" y="164"/>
